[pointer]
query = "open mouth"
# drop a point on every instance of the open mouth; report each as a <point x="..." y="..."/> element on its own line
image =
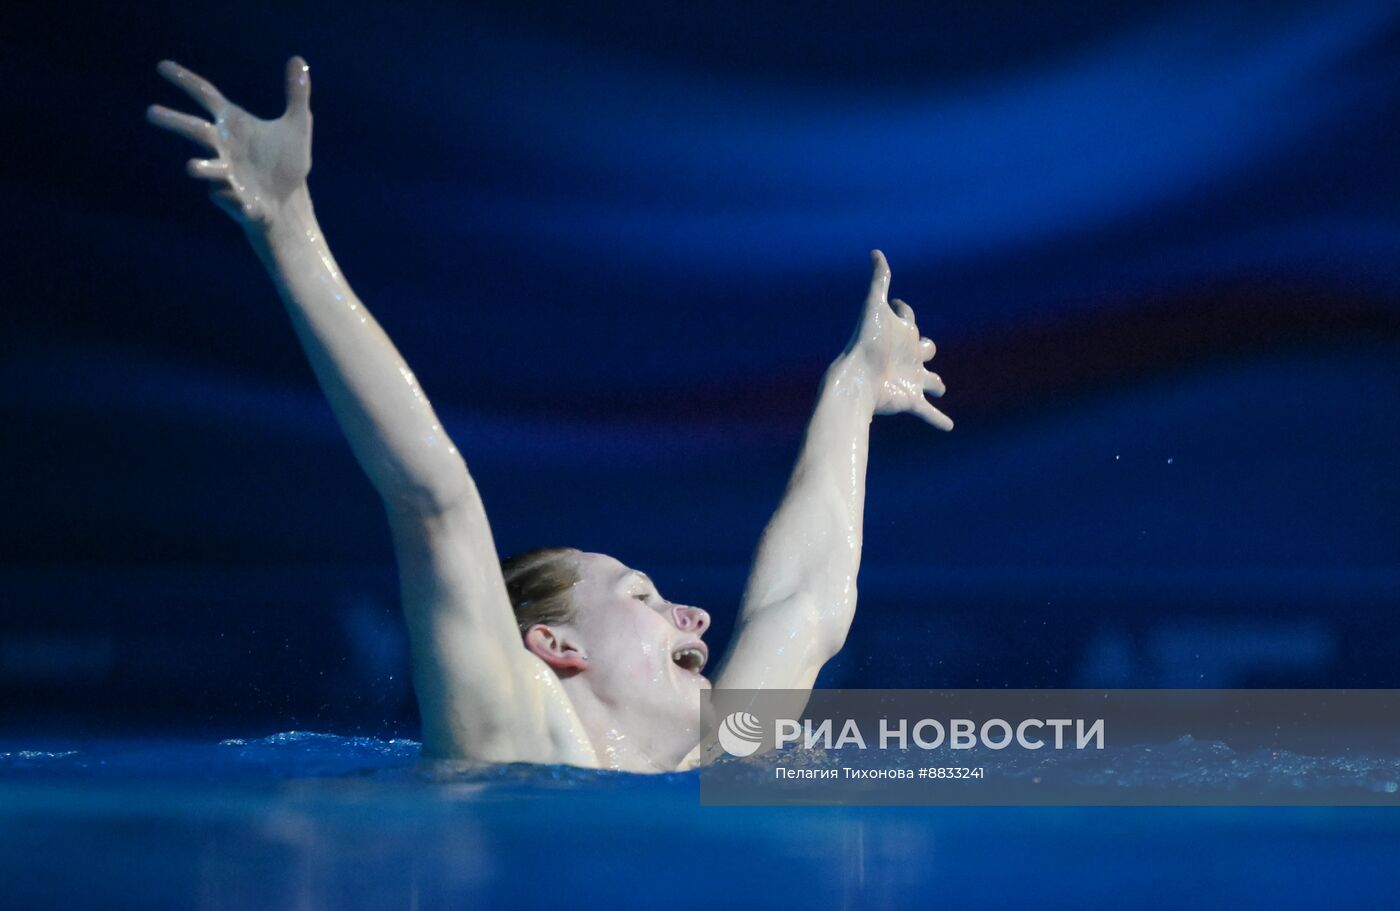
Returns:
<point x="691" y="657"/>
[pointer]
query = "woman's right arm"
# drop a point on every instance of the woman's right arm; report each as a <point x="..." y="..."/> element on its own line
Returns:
<point x="480" y="695"/>
<point x="259" y="178"/>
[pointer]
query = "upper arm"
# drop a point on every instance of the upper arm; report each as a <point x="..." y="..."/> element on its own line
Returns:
<point x="481" y="694"/>
<point x="777" y="646"/>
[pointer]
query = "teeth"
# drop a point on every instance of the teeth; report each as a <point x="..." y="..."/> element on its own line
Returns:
<point x="692" y="659"/>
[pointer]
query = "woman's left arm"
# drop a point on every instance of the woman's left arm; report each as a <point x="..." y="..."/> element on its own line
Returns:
<point x="801" y="594"/>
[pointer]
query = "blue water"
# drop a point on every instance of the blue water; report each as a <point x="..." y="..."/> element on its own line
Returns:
<point x="318" y="821"/>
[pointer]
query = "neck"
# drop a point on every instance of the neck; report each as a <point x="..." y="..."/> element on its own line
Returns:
<point x="623" y="740"/>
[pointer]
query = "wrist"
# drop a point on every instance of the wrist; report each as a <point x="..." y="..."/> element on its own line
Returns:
<point x="289" y="220"/>
<point x="849" y="379"/>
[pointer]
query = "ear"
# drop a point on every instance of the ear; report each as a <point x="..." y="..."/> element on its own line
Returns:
<point x="555" y="650"/>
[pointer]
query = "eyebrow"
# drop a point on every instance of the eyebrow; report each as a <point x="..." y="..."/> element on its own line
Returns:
<point x="638" y="574"/>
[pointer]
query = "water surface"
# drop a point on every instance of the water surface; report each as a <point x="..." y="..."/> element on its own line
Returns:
<point x="315" y="820"/>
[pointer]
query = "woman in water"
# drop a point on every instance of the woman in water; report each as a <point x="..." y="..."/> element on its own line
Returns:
<point x="553" y="656"/>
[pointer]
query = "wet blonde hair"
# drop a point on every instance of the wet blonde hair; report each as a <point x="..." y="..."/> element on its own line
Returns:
<point x="540" y="583"/>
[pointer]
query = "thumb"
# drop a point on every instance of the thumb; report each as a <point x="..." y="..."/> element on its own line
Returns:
<point x="879" y="279"/>
<point x="298" y="86"/>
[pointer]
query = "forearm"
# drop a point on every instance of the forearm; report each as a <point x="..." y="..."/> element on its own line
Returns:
<point x="809" y="554"/>
<point x="387" y="419"/>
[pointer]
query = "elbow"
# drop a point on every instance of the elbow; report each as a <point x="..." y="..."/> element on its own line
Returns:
<point x="829" y="641"/>
<point x="825" y="625"/>
<point x="805" y="620"/>
<point x="428" y="494"/>
<point x="418" y="502"/>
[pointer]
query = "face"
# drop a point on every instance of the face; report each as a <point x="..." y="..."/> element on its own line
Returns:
<point x="642" y="651"/>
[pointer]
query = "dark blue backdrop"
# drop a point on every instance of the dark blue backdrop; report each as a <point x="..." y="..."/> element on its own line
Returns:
<point x="618" y="243"/>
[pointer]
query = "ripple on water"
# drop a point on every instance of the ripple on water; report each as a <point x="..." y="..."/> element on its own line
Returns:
<point x="1185" y="763"/>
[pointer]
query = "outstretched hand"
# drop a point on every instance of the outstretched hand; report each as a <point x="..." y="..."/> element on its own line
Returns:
<point x="258" y="164"/>
<point x="887" y="343"/>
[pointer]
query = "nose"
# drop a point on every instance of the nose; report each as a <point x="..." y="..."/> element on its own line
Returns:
<point x="690" y="619"/>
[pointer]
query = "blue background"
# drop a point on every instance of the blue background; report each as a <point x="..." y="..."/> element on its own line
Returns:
<point x="618" y="243"/>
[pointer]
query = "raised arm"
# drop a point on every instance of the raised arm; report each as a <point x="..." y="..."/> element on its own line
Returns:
<point x="479" y="690"/>
<point x="259" y="178"/>
<point x="801" y="594"/>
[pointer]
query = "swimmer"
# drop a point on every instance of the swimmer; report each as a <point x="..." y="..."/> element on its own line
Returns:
<point x="554" y="655"/>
